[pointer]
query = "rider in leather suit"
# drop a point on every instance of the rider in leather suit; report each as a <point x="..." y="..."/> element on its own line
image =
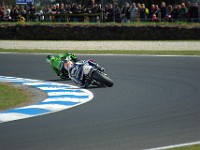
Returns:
<point x="57" y="62"/>
<point x="75" y="71"/>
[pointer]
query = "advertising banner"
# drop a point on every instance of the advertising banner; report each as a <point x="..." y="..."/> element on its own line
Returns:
<point x="24" y="2"/>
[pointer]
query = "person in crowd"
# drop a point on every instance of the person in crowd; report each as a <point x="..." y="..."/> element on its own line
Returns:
<point x="125" y="13"/>
<point x="155" y="13"/>
<point x="53" y="12"/>
<point x="169" y="11"/>
<point x="109" y="13"/>
<point x="47" y="12"/>
<point x="147" y="13"/>
<point x="195" y="13"/>
<point x="14" y="13"/>
<point x="158" y="12"/>
<point x="78" y="9"/>
<point x="93" y="8"/>
<point x="112" y="12"/>
<point x="133" y="12"/>
<point x="152" y="10"/>
<point x="31" y="13"/>
<point x="175" y="13"/>
<point x="138" y="5"/>
<point x="57" y="13"/>
<point x="144" y="13"/>
<point x="7" y="16"/>
<point x="1" y="13"/>
<point x="60" y="13"/>
<point x="23" y="12"/>
<point x="163" y="11"/>
<point x="68" y="8"/>
<point x="68" y="11"/>
<point x="199" y="13"/>
<point x="182" y="12"/>
<point x="117" y="13"/>
<point x="189" y="9"/>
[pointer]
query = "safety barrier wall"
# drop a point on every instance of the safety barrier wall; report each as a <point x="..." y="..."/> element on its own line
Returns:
<point x="98" y="32"/>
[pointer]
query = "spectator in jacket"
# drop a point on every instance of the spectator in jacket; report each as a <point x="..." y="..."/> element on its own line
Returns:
<point x="14" y="13"/>
<point x="47" y="12"/>
<point x="61" y="12"/>
<point x="125" y="12"/>
<point x="133" y="12"/>
<point x="175" y="13"/>
<point x="163" y="11"/>
<point x="144" y="12"/>
<point x="31" y="12"/>
<point x="182" y="12"/>
<point x="195" y="13"/>
<point x="109" y="13"/>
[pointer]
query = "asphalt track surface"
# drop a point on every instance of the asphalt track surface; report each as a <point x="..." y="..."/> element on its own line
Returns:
<point x="154" y="102"/>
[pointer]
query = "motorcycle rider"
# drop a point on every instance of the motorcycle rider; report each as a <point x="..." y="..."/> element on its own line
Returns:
<point x="76" y="74"/>
<point x="57" y="62"/>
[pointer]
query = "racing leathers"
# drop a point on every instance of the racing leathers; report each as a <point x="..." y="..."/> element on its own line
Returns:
<point x="57" y="61"/>
<point x="76" y="73"/>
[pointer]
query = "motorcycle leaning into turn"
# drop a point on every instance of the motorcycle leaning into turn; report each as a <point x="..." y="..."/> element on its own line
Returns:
<point x="83" y="72"/>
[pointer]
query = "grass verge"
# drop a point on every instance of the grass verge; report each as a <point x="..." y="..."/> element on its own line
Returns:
<point x="12" y="99"/>
<point x="139" y="52"/>
<point x="168" y="24"/>
<point x="194" y="147"/>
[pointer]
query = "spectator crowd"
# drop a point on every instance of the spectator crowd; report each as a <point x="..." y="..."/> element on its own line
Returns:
<point x="111" y="12"/>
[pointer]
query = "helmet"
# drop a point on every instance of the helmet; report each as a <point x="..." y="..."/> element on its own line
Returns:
<point x="50" y="58"/>
<point x="68" y="64"/>
<point x="73" y="57"/>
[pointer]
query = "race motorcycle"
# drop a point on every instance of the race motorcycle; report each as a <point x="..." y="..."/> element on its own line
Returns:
<point x="96" y="75"/>
<point x="91" y="73"/>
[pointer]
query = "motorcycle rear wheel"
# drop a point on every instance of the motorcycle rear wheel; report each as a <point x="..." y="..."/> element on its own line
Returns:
<point x="102" y="78"/>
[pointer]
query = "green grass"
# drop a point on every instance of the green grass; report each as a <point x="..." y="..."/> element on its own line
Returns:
<point x="194" y="147"/>
<point x="11" y="96"/>
<point x="170" y="24"/>
<point x="142" y="52"/>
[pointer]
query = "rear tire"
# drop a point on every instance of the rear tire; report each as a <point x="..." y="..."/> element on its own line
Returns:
<point x="102" y="79"/>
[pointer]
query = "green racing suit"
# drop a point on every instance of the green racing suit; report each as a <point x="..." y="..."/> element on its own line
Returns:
<point x="57" y="61"/>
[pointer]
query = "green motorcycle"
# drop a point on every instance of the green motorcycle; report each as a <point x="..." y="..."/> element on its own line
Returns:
<point x="57" y="63"/>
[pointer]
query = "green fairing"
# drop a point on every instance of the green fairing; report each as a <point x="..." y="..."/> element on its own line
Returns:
<point x="56" y="61"/>
<point x="55" y="64"/>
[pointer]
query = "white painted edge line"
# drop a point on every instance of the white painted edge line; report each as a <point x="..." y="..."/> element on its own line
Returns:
<point x="60" y="96"/>
<point x="175" y="146"/>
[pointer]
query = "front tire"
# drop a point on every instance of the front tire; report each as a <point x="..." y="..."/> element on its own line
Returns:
<point x="102" y="78"/>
